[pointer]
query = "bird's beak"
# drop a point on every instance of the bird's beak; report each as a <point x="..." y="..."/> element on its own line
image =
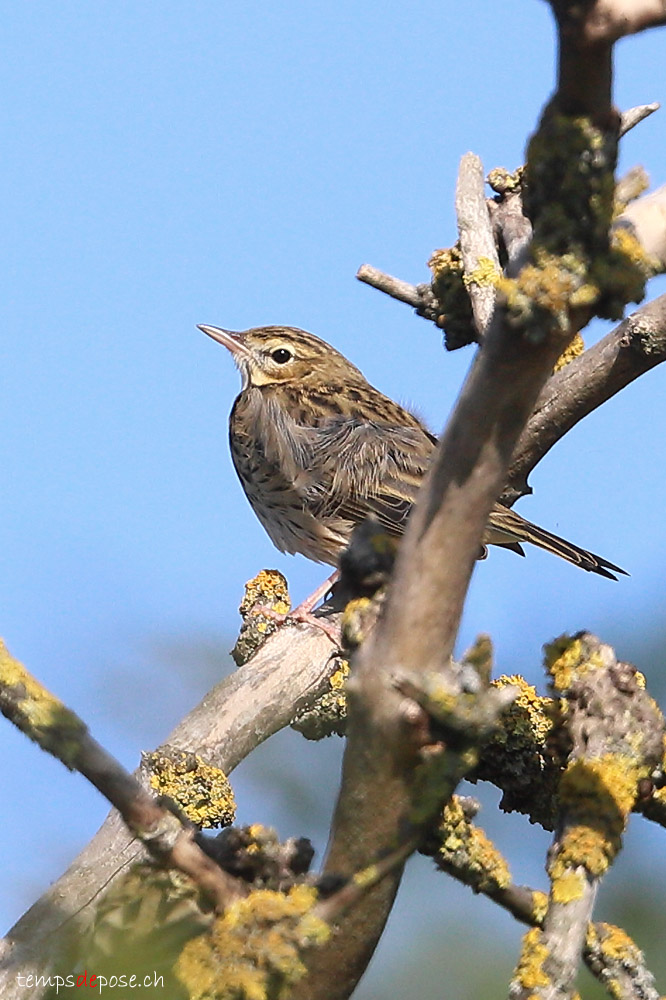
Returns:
<point x="234" y="342"/>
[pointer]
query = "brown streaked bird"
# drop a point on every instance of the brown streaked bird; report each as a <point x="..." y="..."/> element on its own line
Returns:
<point x="317" y="449"/>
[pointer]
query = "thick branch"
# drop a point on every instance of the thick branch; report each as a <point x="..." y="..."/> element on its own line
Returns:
<point x="416" y="635"/>
<point x="609" y="20"/>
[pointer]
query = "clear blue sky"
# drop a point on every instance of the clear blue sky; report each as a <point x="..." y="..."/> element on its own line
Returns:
<point x="177" y="163"/>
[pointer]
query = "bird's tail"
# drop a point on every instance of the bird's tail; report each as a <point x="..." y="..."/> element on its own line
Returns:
<point x="509" y="529"/>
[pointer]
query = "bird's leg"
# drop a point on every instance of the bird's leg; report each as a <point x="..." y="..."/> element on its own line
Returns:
<point x="303" y="612"/>
<point x="308" y="605"/>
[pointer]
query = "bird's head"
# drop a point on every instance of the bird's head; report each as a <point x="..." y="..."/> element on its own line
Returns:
<point x="270" y="355"/>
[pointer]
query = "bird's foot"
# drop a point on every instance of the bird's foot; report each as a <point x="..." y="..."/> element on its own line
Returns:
<point x="331" y="629"/>
<point x="303" y="614"/>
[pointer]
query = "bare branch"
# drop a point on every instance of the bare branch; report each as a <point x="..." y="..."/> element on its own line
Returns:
<point x="631" y="349"/>
<point x="395" y="287"/>
<point x="646" y="217"/>
<point x="633" y="116"/>
<point x="609" y="20"/>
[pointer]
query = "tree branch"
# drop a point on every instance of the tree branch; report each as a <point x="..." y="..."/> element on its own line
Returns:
<point x="477" y="246"/>
<point x="59" y="731"/>
<point x="417" y="632"/>
<point x="634" y="116"/>
<point x="257" y="700"/>
<point x="631" y="349"/>
<point x="616" y="734"/>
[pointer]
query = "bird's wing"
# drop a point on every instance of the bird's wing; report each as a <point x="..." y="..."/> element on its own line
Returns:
<point x="365" y="467"/>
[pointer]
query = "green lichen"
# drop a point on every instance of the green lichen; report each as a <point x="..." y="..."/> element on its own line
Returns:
<point x="328" y="715"/>
<point x="465" y="851"/>
<point x="569" y="196"/>
<point x="449" y="289"/>
<point x="519" y="759"/>
<point x="38" y="713"/>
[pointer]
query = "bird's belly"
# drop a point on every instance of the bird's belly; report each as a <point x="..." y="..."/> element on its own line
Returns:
<point x="289" y="524"/>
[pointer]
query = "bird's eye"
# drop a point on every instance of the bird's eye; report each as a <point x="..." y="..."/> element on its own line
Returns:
<point x="281" y="355"/>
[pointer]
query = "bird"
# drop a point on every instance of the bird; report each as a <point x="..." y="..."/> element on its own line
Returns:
<point x="317" y="449"/>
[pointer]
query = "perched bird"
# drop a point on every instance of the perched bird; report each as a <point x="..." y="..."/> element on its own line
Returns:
<point x="317" y="449"/>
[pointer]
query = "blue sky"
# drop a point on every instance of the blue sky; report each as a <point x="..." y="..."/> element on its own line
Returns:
<point x="179" y="163"/>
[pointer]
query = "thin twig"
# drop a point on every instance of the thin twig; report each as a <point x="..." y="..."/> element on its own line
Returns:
<point x="395" y="287"/>
<point x="633" y="116"/>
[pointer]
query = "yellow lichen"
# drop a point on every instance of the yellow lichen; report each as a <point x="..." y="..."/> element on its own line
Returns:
<point x="328" y="715"/>
<point x="484" y="274"/>
<point x="504" y="181"/>
<point x="617" y="951"/>
<point x="597" y="795"/>
<point x="465" y="850"/>
<point x="614" y="943"/>
<point x="538" y="299"/>
<point x="533" y="712"/>
<point x="568" y="887"/>
<point x="366" y="876"/>
<point x="266" y="591"/>
<point x="567" y="657"/>
<point x="534" y="953"/>
<point x="254" y="951"/>
<point x="519" y="757"/>
<point x="357" y="620"/>
<point x="539" y="906"/>
<point x="573" y="264"/>
<point x="574" y="350"/>
<point x="339" y="677"/>
<point x="605" y="785"/>
<point x="202" y="791"/>
<point x="583" y="846"/>
<point x="268" y="588"/>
